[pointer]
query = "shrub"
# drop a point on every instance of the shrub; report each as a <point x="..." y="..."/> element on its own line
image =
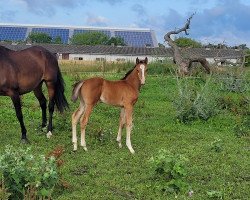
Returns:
<point x="26" y="176"/>
<point x="195" y="100"/>
<point x="169" y="172"/>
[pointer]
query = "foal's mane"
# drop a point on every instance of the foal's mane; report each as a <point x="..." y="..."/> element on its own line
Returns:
<point x="130" y="71"/>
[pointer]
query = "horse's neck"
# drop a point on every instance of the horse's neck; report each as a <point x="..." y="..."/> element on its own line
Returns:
<point x="133" y="80"/>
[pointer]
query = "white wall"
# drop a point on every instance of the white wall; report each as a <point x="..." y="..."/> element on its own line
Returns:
<point x="114" y="58"/>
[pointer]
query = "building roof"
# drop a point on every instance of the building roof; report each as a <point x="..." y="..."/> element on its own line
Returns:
<point x="132" y="51"/>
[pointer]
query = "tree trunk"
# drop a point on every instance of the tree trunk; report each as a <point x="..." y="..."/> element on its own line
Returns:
<point x="184" y="63"/>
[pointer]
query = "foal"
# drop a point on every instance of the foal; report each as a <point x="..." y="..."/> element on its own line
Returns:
<point x="122" y="93"/>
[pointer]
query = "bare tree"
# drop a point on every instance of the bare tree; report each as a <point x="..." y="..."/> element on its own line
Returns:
<point x="184" y="63"/>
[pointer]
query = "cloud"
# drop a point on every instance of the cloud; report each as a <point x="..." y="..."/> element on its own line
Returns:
<point x="228" y="20"/>
<point x="94" y="20"/>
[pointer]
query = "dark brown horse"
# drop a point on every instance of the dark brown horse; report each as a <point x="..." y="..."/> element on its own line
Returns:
<point x="25" y="71"/>
<point x="123" y="93"/>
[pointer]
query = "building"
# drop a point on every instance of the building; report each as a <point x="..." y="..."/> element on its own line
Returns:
<point x="125" y="53"/>
<point x="134" y="37"/>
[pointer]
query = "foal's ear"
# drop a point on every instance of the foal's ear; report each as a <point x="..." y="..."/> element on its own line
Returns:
<point x="137" y="60"/>
<point x="146" y="60"/>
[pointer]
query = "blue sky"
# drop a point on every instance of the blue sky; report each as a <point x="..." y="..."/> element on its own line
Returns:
<point x="215" y="21"/>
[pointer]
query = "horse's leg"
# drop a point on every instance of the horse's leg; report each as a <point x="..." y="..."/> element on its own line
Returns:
<point x="75" y="118"/>
<point x="18" y="108"/>
<point x="121" y="125"/>
<point x="42" y="101"/>
<point x="128" y="114"/>
<point x="51" y="92"/>
<point x="84" y="121"/>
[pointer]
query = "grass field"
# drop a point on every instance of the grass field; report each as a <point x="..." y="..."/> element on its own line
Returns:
<point x="107" y="172"/>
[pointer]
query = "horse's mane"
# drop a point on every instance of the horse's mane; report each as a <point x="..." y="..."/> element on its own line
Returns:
<point x="130" y="71"/>
<point x="4" y="50"/>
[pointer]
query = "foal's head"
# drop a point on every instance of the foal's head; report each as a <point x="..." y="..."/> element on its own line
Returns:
<point x="141" y="67"/>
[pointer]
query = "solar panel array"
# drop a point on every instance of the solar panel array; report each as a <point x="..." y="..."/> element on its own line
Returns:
<point x="135" y="38"/>
<point x="54" y="33"/>
<point x="12" y="33"/>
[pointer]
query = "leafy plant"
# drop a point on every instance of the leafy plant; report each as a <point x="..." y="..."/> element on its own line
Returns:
<point x="27" y="176"/>
<point x="170" y="172"/>
<point x="233" y="81"/>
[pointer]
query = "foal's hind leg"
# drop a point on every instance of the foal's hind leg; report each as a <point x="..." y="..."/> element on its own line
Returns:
<point x="17" y="104"/>
<point x="84" y="121"/>
<point x="42" y="101"/>
<point x="75" y="118"/>
<point x="121" y="125"/>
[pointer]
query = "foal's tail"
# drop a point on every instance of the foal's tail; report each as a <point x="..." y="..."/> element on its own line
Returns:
<point x="75" y="93"/>
<point x="60" y="99"/>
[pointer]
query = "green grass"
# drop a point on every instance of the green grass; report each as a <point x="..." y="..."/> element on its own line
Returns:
<point x="107" y="172"/>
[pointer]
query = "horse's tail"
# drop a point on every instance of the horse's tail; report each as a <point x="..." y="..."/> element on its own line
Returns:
<point x="60" y="99"/>
<point x="75" y="93"/>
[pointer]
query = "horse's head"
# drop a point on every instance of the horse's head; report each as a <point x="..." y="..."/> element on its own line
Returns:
<point x="141" y="67"/>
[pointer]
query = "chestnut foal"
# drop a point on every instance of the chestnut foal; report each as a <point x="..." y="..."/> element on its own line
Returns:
<point x="122" y="93"/>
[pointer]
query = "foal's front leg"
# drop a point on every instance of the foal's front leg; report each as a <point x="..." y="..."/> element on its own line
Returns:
<point x="121" y="125"/>
<point x="128" y="114"/>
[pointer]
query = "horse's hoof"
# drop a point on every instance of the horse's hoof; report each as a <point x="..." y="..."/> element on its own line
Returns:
<point x="49" y="134"/>
<point x="25" y="141"/>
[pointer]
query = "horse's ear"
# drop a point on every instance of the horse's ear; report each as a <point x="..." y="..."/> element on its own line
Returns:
<point x="137" y="60"/>
<point x="146" y="60"/>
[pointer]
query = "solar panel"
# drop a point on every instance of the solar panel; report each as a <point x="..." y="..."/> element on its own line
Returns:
<point x="54" y="33"/>
<point x="136" y="39"/>
<point x="12" y="33"/>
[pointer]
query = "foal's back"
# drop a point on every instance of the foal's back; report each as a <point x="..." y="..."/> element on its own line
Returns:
<point x="117" y="93"/>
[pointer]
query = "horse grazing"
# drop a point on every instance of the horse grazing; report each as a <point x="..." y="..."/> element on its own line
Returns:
<point x="122" y="93"/>
<point x="25" y="71"/>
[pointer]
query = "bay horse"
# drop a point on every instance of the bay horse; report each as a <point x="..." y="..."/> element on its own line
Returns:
<point x="122" y="93"/>
<point x="24" y="71"/>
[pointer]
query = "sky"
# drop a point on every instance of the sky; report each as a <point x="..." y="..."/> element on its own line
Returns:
<point x="215" y="21"/>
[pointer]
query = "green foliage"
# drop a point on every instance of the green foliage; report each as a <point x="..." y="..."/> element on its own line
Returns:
<point x="117" y="41"/>
<point x="26" y="175"/>
<point x="161" y="67"/>
<point x="57" y="40"/>
<point x="39" y="38"/>
<point x="247" y="52"/>
<point x="170" y="172"/>
<point x="214" y="194"/>
<point x="217" y="145"/>
<point x="195" y="100"/>
<point x="242" y="127"/>
<point x="90" y="38"/>
<point x="4" y="194"/>
<point x="187" y="42"/>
